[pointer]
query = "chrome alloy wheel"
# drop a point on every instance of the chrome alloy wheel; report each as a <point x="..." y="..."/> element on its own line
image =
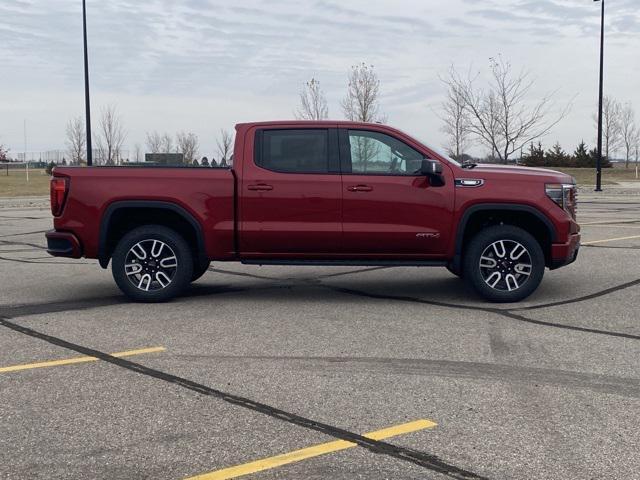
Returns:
<point x="151" y="265"/>
<point x="505" y="265"/>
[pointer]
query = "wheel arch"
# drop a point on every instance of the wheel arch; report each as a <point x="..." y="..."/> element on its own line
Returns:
<point x="525" y="216"/>
<point x="114" y="224"/>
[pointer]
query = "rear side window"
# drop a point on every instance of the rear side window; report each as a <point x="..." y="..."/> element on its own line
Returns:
<point x="293" y="151"/>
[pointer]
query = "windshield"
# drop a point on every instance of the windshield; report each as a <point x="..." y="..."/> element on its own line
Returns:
<point x="439" y="151"/>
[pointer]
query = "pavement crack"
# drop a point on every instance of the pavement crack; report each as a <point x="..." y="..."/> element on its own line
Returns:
<point x="499" y="311"/>
<point x="23" y="233"/>
<point x="583" y="298"/>
<point x="422" y="459"/>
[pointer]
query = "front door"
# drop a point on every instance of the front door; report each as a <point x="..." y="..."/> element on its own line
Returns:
<point x="390" y="210"/>
<point x="290" y="195"/>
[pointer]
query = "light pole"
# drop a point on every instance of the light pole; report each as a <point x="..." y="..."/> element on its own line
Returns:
<point x="599" y="158"/>
<point x="86" y="86"/>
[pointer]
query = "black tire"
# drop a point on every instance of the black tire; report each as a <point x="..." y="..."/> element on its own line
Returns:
<point x="165" y="281"/>
<point x="514" y="268"/>
<point x="200" y="270"/>
<point x="454" y="272"/>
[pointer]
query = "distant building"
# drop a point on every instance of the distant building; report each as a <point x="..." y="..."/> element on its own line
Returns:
<point x="167" y="159"/>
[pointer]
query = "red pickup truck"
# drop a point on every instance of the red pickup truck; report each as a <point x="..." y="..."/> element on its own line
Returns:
<point x="318" y="193"/>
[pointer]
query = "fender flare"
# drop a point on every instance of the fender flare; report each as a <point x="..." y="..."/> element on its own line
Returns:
<point x="512" y="207"/>
<point x="104" y="256"/>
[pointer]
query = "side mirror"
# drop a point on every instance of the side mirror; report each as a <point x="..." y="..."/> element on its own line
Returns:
<point x="431" y="168"/>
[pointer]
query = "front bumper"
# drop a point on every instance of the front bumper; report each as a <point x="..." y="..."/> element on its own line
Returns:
<point x="565" y="253"/>
<point x="63" y="244"/>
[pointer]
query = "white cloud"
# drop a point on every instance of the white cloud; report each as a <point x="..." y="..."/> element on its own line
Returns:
<point x="201" y="65"/>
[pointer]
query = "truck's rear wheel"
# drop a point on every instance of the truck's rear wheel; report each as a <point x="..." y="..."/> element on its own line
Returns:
<point x="200" y="270"/>
<point x="504" y="263"/>
<point x="152" y="263"/>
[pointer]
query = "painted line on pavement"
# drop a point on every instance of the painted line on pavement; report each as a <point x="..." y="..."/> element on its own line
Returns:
<point x="310" y="452"/>
<point x="611" y="240"/>
<point x="72" y="361"/>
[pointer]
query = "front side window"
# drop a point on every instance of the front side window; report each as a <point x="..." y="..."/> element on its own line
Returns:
<point x="374" y="153"/>
<point x="294" y="151"/>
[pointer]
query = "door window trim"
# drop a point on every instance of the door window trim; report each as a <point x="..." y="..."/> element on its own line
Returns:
<point x="333" y="162"/>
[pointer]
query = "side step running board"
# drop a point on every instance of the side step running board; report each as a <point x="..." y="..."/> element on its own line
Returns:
<point x="349" y="263"/>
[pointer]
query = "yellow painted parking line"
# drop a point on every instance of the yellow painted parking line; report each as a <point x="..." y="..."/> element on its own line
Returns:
<point x="309" y="452"/>
<point x="607" y="223"/>
<point x="610" y="225"/>
<point x="71" y="361"/>
<point x="610" y="240"/>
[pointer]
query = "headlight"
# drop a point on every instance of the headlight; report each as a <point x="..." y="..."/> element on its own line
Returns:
<point x="565" y="195"/>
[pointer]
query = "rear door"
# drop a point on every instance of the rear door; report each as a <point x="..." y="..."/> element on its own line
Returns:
<point x="389" y="208"/>
<point x="290" y="194"/>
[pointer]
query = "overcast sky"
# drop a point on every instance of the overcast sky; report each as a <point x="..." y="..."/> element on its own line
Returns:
<point x="200" y="65"/>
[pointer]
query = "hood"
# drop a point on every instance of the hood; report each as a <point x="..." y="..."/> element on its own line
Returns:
<point x="493" y="170"/>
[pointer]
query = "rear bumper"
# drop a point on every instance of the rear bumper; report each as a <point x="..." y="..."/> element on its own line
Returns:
<point x="565" y="253"/>
<point x="63" y="244"/>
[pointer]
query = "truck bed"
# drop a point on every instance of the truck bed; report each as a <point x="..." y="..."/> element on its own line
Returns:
<point x="207" y="194"/>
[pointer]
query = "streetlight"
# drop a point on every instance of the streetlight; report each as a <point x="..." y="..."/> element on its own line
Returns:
<point x="599" y="158"/>
<point x="86" y="86"/>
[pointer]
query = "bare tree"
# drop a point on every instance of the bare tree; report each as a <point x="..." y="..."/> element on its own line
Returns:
<point x="159" y="143"/>
<point x="76" y="140"/>
<point x="362" y="103"/>
<point x="187" y="145"/>
<point x="313" y="103"/>
<point x="225" y="147"/>
<point x="456" y="121"/>
<point x="166" y="143"/>
<point x="629" y="132"/>
<point x="500" y="116"/>
<point x="4" y="153"/>
<point x="611" y="130"/>
<point x="154" y="142"/>
<point x="111" y="135"/>
<point x="137" y="152"/>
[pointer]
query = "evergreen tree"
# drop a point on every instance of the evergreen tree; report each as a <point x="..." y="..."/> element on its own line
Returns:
<point x="581" y="156"/>
<point x="556" y="157"/>
<point x="204" y="162"/>
<point x="593" y="159"/>
<point x="535" y="156"/>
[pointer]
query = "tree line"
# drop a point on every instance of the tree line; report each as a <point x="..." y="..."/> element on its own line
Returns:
<point x="582" y="157"/>
<point x="111" y="134"/>
<point x="498" y="113"/>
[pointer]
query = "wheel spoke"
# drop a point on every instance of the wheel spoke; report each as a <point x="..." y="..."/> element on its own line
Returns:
<point x="517" y="252"/>
<point x="169" y="262"/>
<point x="493" y="279"/>
<point x="156" y="248"/>
<point x="132" y="268"/>
<point x="139" y="251"/>
<point x="488" y="262"/>
<point x="163" y="279"/>
<point x="500" y="249"/>
<point x="523" y="269"/>
<point x="512" y="283"/>
<point x="145" y="282"/>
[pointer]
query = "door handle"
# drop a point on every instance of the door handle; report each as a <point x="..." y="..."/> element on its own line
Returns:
<point x="360" y="188"/>
<point x="261" y="187"/>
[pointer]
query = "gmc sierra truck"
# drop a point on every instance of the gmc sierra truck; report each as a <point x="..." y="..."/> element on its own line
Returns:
<point x="318" y="193"/>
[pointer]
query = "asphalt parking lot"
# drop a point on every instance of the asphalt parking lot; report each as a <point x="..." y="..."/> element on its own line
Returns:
<point x="280" y="372"/>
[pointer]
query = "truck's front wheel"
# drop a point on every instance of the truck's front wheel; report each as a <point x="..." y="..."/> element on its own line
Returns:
<point x="152" y="263"/>
<point x="504" y="263"/>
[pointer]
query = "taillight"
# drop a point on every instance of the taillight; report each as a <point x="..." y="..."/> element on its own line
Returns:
<point x="58" y="194"/>
<point x="565" y="195"/>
